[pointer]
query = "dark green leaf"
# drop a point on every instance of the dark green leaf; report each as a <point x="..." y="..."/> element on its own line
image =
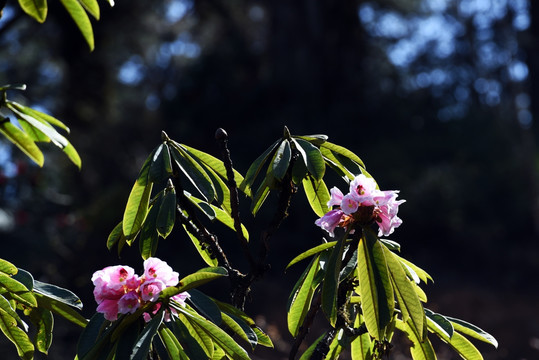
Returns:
<point x="35" y="8"/>
<point x="311" y="252"/>
<point x="330" y="284"/>
<point x="149" y="237"/>
<point x="60" y="294"/>
<point x="25" y="278"/>
<point x="313" y="158"/>
<point x="316" y="139"/>
<point x="391" y="245"/>
<point x="439" y="324"/>
<point x="77" y="13"/>
<point x="310" y="350"/>
<point x="44" y="322"/>
<point x="62" y="309"/>
<point x="281" y="160"/>
<point x="317" y="194"/>
<point x="126" y="341"/>
<point x="115" y="236"/>
<point x="255" y="168"/>
<point x="167" y="213"/>
<point x="194" y="172"/>
<point x="144" y="340"/>
<point x="473" y="331"/>
<point x="160" y="167"/>
<point x="205" y="306"/>
<point x="90" y="334"/>
<point x="301" y="300"/>
<point x="260" y="196"/>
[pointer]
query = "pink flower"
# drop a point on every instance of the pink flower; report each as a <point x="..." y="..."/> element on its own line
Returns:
<point x="336" y="197"/>
<point x="129" y="303"/>
<point x="150" y="289"/>
<point x="155" y="268"/>
<point x="330" y="221"/>
<point x="349" y="204"/>
<point x="180" y="298"/>
<point x="362" y="189"/>
<point x="109" y="308"/>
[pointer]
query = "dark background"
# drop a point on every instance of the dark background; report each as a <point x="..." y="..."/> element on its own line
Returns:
<point x="439" y="99"/>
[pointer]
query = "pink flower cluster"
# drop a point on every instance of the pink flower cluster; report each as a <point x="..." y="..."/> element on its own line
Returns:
<point x="363" y="204"/>
<point x="118" y="290"/>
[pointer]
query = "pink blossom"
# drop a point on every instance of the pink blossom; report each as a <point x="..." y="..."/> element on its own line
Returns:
<point x="155" y="268"/>
<point x="349" y="204"/>
<point x="330" y="220"/>
<point x="362" y="189"/>
<point x="181" y="297"/>
<point x="336" y="197"/>
<point x="150" y="289"/>
<point x="109" y="308"/>
<point x="129" y="303"/>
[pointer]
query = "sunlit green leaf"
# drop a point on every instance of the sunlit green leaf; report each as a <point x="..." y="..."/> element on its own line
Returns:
<point x="344" y="152"/>
<point x="255" y="168"/>
<point x="143" y="342"/>
<point x="77" y="13"/>
<point x="439" y="324"/>
<point x="73" y="155"/>
<point x="281" y="160"/>
<point x="420" y="350"/>
<point x="92" y="7"/>
<point x="196" y="343"/>
<point x="423" y="275"/>
<point x="361" y="348"/>
<point x="136" y="209"/>
<point x="473" y="331"/>
<point x="332" y="161"/>
<point x="194" y="172"/>
<point x="43" y="117"/>
<point x="167" y="213"/>
<point x="317" y="194"/>
<point x="173" y="346"/>
<point x="330" y="285"/>
<point x="17" y="291"/>
<point x="310" y="350"/>
<point x="203" y="252"/>
<point x="5" y="307"/>
<point x="149" y="237"/>
<point x="62" y="309"/>
<point x="315" y="139"/>
<point x="115" y="236"/>
<point x="301" y="300"/>
<point x="260" y="196"/>
<point x="18" y="337"/>
<point x="35" y="8"/>
<point x="7" y="268"/>
<point x="311" y="252"/>
<point x="336" y="346"/>
<point x="21" y="140"/>
<point x="193" y="280"/>
<point x="44" y="322"/>
<point x="239" y="327"/>
<point x="377" y="299"/>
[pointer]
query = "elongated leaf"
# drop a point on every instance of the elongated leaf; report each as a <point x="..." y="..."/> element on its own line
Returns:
<point x="7" y="268"/>
<point x="41" y="116"/>
<point x="17" y="291"/>
<point x="35" y="8"/>
<point x="193" y="280"/>
<point x="62" y="309"/>
<point x="314" y="160"/>
<point x="57" y="293"/>
<point x="332" y="161"/>
<point x="315" y="139"/>
<point x="77" y="13"/>
<point x="143" y="342"/>
<point x="167" y="214"/>
<point x="312" y="251"/>
<point x="205" y="306"/>
<point x="256" y="166"/>
<point x="194" y="172"/>
<point x="89" y="335"/>
<point x="44" y="322"/>
<point x="173" y="346"/>
<point x="330" y="285"/>
<point x="310" y="350"/>
<point x="260" y="196"/>
<point x="5" y="307"/>
<point x="335" y="347"/>
<point x="301" y="300"/>
<point x="344" y="152"/>
<point x="21" y="140"/>
<point x="361" y="348"/>
<point x="45" y="128"/>
<point x="473" y="331"/>
<point x="136" y="209"/>
<point x="375" y="288"/>
<point x="115" y="236"/>
<point x="420" y="350"/>
<point x="25" y="278"/>
<point x="439" y="324"/>
<point x="317" y="194"/>
<point x="240" y="328"/>
<point x="125" y="342"/>
<point x="18" y="337"/>
<point x="92" y="7"/>
<point x="463" y="346"/>
<point x="214" y="164"/>
<point x="407" y="298"/>
<point x="196" y="343"/>
<point x="423" y="275"/>
<point x="73" y="155"/>
<point x="281" y="160"/>
<point x="203" y="252"/>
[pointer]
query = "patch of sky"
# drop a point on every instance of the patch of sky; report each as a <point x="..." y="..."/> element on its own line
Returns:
<point x="518" y="71"/>
<point x="438" y="6"/>
<point x="176" y="10"/>
<point x="7" y="14"/>
<point x="132" y="71"/>
<point x="521" y="8"/>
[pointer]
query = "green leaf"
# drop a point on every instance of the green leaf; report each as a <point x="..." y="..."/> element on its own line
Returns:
<point x="332" y="161"/>
<point x="35" y="8"/>
<point x="317" y="194"/>
<point x="316" y="139"/>
<point x="260" y="196"/>
<point x="391" y="245"/>
<point x="255" y="168"/>
<point x="167" y="213"/>
<point x="89" y="335"/>
<point x="238" y="326"/>
<point x="330" y="284"/>
<point x="194" y="172"/>
<point x="205" y="306"/>
<point x="473" y="331"/>
<point x="463" y="346"/>
<point x="193" y="280"/>
<point x="375" y="288"/>
<point x="57" y="293"/>
<point x="41" y="116"/>
<point x="92" y="7"/>
<point x="423" y="275"/>
<point x="407" y="298"/>
<point x="281" y="160"/>
<point x="5" y="307"/>
<point x="439" y="324"/>
<point x="196" y="343"/>
<point x="18" y="337"/>
<point x="161" y="166"/>
<point x="311" y="252"/>
<point x="143" y="342"/>
<point x="126" y="342"/>
<point x="361" y="347"/>
<point x="313" y="158"/>
<point x="77" y="13"/>
<point x="44" y="322"/>
<point x="7" y="268"/>
<point x="335" y="347"/>
<point x="420" y="350"/>
<point x="310" y="350"/>
<point x="173" y="346"/>
<point x="214" y="164"/>
<point x="115" y="236"/>
<point x="73" y="155"/>
<point x="25" y="278"/>
<point x="136" y="209"/>
<point x="344" y="152"/>
<point x="62" y="309"/>
<point x="301" y="300"/>
<point x="203" y="252"/>
<point x="17" y="291"/>
<point x="21" y="140"/>
<point x="149" y="237"/>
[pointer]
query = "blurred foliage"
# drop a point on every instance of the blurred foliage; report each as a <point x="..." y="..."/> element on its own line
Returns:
<point x="437" y="96"/>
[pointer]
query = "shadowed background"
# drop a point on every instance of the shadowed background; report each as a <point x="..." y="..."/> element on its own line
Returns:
<point x="437" y="97"/>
